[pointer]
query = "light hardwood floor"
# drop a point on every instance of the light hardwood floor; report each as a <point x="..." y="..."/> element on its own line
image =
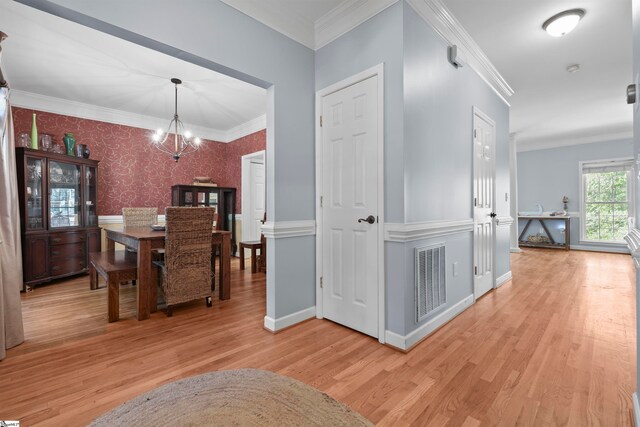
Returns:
<point x="555" y="346"/>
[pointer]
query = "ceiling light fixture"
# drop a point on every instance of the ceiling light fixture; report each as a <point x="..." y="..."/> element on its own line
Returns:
<point x="573" y="68"/>
<point x="562" y="23"/>
<point x="183" y="141"/>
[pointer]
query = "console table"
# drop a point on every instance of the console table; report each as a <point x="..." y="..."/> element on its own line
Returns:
<point x="551" y="243"/>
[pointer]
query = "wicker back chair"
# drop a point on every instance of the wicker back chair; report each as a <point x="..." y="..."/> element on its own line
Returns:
<point x="139" y="217"/>
<point x="185" y="273"/>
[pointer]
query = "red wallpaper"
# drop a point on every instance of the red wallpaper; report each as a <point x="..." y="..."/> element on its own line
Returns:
<point x="132" y="172"/>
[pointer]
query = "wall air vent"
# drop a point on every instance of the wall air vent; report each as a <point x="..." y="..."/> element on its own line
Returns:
<point x="430" y="282"/>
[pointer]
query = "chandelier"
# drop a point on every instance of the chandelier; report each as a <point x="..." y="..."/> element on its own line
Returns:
<point x="176" y="141"/>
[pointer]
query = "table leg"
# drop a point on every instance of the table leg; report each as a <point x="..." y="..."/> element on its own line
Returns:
<point x="254" y="261"/>
<point x="111" y="245"/>
<point x="225" y="267"/>
<point x="241" y="257"/>
<point x="143" y="289"/>
<point x="114" y="297"/>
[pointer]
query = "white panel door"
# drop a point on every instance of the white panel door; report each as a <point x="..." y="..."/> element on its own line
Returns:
<point x="350" y="196"/>
<point x="256" y="200"/>
<point x="483" y="201"/>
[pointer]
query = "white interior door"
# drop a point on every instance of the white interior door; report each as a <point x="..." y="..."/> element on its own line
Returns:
<point x="484" y="142"/>
<point x="257" y="199"/>
<point x="349" y="197"/>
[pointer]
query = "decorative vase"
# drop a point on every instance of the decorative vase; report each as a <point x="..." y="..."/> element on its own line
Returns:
<point x="70" y="143"/>
<point x="34" y="133"/>
<point x="86" y="152"/>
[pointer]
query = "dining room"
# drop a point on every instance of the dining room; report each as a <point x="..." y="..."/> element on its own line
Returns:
<point x="154" y="133"/>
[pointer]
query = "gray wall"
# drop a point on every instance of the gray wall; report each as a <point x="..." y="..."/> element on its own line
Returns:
<point x="428" y="145"/>
<point x="636" y="149"/>
<point x="216" y="36"/>
<point x="545" y="176"/>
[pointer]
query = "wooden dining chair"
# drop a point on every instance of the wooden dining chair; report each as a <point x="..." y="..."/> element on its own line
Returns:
<point x="185" y="273"/>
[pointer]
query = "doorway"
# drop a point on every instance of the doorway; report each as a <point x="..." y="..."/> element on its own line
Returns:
<point x="484" y="166"/>
<point x="349" y="158"/>
<point x="253" y="195"/>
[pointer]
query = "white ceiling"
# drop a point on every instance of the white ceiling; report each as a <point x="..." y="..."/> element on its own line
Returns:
<point x="551" y="107"/>
<point x="53" y="57"/>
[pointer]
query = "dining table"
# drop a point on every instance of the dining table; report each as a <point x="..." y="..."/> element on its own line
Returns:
<point x="144" y="240"/>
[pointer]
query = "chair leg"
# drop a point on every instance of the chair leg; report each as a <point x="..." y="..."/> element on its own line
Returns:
<point x="169" y="311"/>
<point x="254" y="266"/>
<point x="209" y="302"/>
<point x="241" y="257"/>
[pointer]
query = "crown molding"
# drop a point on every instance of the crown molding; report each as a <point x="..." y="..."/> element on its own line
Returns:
<point x="345" y="17"/>
<point x="504" y="221"/>
<point x="548" y="143"/>
<point x="279" y="18"/>
<point x="442" y="20"/>
<point x="398" y="232"/>
<point x="247" y="128"/>
<point x="109" y="115"/>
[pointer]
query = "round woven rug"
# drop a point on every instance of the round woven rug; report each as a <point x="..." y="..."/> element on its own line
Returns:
<point x="244" y="397"/>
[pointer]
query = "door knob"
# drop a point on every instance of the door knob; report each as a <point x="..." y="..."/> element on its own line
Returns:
<point x="370" y="219"/>
<point x="493" y="215"/>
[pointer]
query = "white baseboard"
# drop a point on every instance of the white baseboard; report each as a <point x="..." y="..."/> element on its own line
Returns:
<point x="276" y="325"/>
<point x="620" y="249"/>
<point x="503" y="279"/>
<point x="515" y="250"/>
<point x="636" y="409"/>
<point x="408" y="341"/>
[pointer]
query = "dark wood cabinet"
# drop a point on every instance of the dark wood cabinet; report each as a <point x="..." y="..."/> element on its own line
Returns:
<point x="58" y="217"/>
<point x="222" y="198"/>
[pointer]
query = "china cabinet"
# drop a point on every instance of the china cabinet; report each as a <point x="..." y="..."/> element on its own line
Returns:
<point x="58" y="195"/>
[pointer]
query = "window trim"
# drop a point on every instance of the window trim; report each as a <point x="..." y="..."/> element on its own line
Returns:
<point x="630" y="196"/>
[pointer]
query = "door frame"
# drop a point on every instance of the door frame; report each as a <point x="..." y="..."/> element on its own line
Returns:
<point x="244" y="184"/>
<point x="377" y="70"/>
<point x="481" y="114"/>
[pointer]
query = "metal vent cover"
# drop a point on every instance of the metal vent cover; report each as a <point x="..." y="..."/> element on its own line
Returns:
<point x="430" y="281"/>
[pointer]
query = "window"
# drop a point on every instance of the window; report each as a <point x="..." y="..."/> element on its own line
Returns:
<point x="607" y="200"/>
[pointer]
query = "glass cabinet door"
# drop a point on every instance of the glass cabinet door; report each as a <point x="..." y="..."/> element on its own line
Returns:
<point x="90" y="196"/>
<point x="64" y="195"/>
<point x="34" y="189"/>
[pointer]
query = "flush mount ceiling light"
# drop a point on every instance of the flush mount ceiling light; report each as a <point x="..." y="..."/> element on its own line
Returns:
<point x="176" y="141"/>
<point x="562" y="23"/>
<point x="573" y="68"/>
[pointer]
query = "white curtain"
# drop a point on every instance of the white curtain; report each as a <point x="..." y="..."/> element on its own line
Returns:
<point x="11" y="329"/>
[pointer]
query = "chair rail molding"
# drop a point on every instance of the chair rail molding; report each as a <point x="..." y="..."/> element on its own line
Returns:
<point x="435" y="13"/>
<point x="398" y="232"/>
<point x="504" y="221"/>
<point x="283" y="229"/>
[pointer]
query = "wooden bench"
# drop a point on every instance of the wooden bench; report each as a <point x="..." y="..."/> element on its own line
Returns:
<point x="115" y="267"/>
<point x="254" y="246"/>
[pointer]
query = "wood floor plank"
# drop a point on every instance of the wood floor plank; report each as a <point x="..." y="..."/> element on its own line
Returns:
<point x="554" y="346"/>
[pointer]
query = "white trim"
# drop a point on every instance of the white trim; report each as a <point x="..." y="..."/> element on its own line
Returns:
<point x="345" y="17"/>
<point x="504" y="221"/>
<point x="238" y="217"/>
<point x="275" y="325"/>
<point x="435" y="13"/>
<point x="244" y="184"/>
<point x="377" y="70"/>
<point x="398" y="232"/>
<point x="407" y="341"/>
<point x="283" y="229"/>
<point x="117" y="219"/>
<point x="617" y="249"/>
<point x="246" y="128"/>
<point x="81" y="110"/>
<point x="503" y="279"/>
<point x="546" y="143"/>
<point x="515" y="250"/>
<point x="636" y="409"/>
<point x="279" y="18"/>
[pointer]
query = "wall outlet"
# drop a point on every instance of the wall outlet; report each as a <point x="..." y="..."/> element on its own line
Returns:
<point x="455" y="269"/>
